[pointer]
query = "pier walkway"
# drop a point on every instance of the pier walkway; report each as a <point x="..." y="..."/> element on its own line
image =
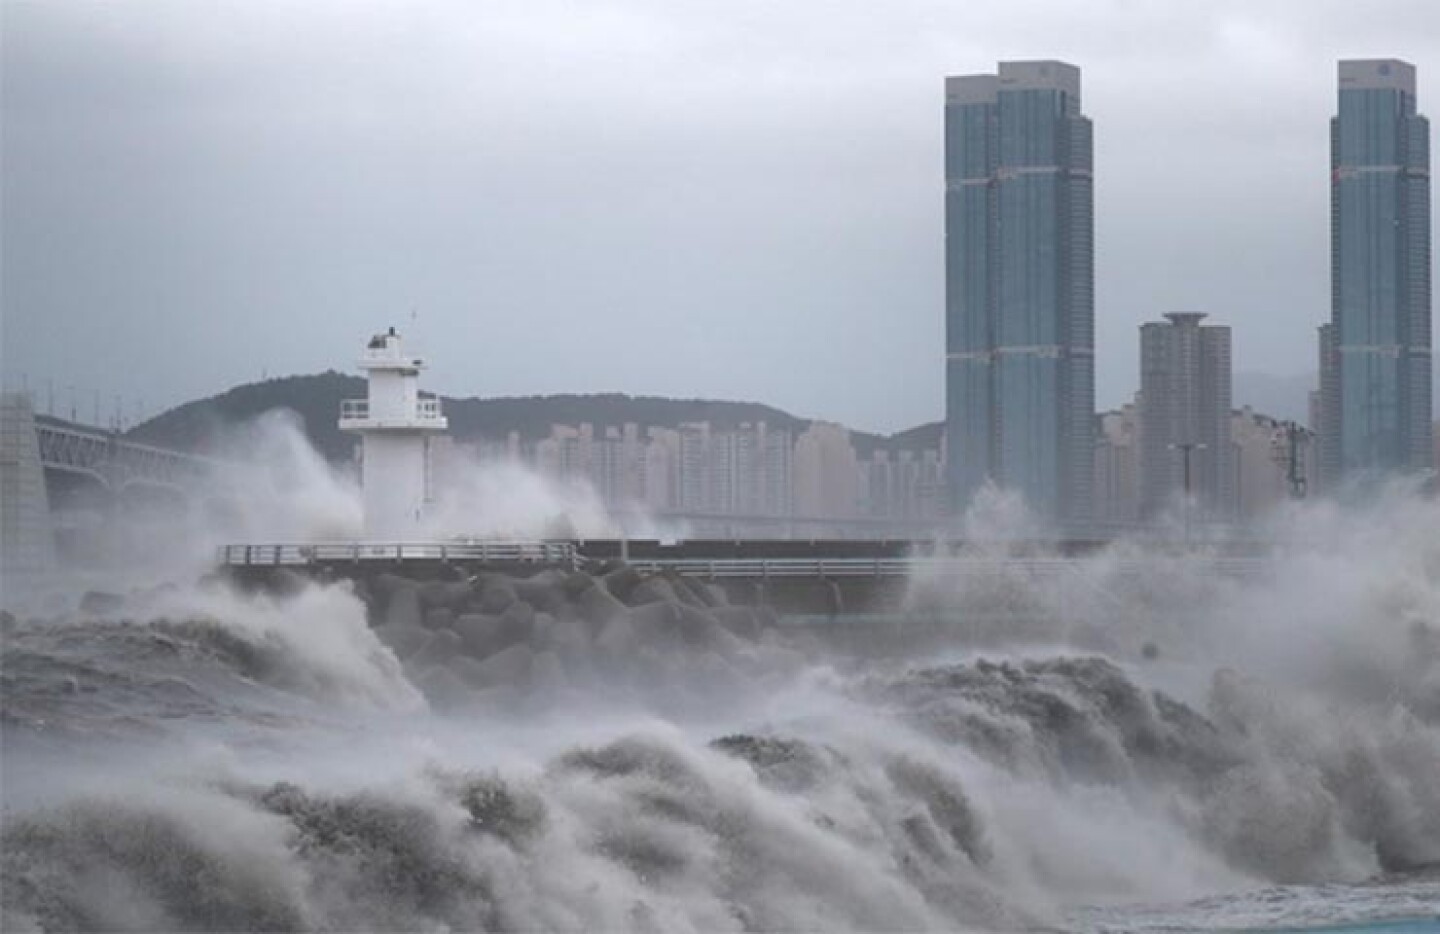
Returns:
<point x="862" y="579"/>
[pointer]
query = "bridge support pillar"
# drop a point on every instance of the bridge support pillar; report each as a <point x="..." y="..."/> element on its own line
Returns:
<point x="27" y="540"/>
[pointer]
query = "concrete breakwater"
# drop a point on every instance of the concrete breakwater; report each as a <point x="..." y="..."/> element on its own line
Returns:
<point x="793" y="577"/>
<point x="503" y="638"/>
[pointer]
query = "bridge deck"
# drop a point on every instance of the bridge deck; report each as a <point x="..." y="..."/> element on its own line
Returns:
<point x="113" y="459"/>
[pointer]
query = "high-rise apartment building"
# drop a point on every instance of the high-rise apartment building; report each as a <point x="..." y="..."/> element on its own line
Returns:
<point x="1185" y="416"/>
<point x="1380" y="275"/>
<point x="1117" y="470"/>
<point x="695" y="486"/>
<point x="750" y="470"/>
<point x="662" y="468"/>
<point x="1323" y="419"/>
<point x="825" y="472"/>
<point x="1274" y="461"/>
<point x="1019" y="316"/>
<point x="902" y="484"/>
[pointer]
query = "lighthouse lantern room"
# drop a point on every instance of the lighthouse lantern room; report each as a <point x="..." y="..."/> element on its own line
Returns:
<point x="395" y="425"/>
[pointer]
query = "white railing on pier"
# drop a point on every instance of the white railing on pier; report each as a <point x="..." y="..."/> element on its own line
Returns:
<point x="484" y="552"/>
<point x="775" y="567"/>
<point x="358" y="410"/>
<point x="565" y="553"/>
<point x="833" y="568"/>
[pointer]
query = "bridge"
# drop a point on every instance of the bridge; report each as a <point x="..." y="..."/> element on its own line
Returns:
<point x="111" y="460"/>
<point x="52" y="471"/>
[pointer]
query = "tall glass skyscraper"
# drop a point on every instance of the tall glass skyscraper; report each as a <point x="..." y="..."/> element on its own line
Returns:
<point x="1019" y="284"/>
<point x="1380" y="273"/>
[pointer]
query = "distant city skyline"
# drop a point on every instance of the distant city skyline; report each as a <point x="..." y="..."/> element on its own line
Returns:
<point x="557" y="195"/>
<point x="702" y="471"/>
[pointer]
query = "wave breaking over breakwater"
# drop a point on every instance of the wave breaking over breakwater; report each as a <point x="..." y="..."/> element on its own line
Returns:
<point x="576" y="751"/>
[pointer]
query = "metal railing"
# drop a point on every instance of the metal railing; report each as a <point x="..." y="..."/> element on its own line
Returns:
<point x="388" y="353"/>
<point x="484" y="552"/>
<point x="354" y="410"/>
<point x="776" y="567"/>
<point x="565" y="553"/>
<point x="832" y="568"/>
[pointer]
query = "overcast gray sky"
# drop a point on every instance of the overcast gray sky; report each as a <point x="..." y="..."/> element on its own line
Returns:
<point x="723" y="199"/>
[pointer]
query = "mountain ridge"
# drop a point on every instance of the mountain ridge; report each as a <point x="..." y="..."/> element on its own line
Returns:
<point x="201" y="425"/>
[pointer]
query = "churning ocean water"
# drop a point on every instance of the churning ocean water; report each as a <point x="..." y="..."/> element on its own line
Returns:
<point x="579" y="752"/>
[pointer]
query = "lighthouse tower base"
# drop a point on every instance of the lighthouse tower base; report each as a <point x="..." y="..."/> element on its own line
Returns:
<point x="394" y="474"/>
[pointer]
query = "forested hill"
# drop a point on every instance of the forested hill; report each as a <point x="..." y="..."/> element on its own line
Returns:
<point x="202" y="425"/>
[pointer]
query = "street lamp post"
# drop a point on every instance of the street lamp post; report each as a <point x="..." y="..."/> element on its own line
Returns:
<point x="1185" y="447"/>
<point x="1285" y="450"/>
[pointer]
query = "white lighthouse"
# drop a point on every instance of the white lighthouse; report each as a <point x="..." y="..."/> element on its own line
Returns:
<point x="395" y="425"/>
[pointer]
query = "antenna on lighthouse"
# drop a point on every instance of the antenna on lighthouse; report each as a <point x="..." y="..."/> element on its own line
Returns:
<point x="395" y="426"/>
